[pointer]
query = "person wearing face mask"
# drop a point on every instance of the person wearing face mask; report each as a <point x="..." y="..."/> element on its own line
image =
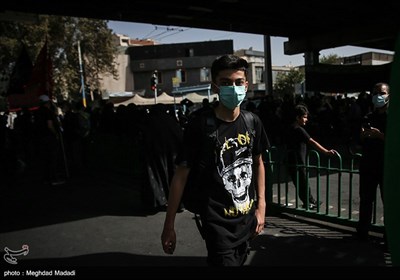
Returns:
<point x="372" y="161"/>
<point x="233" y="182"/>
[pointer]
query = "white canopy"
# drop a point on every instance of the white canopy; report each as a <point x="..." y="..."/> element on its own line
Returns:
<point x="163" y="98"/>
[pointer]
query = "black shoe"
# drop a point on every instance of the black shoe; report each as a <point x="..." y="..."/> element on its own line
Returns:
<point x="362" y="236"/>
<point x="362" y="232"/>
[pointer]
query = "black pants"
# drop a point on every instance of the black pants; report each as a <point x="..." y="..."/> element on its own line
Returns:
<point x="302" y="184"/>
<point x="370" y="178"/>
<point x="235" y="256"/>
<point x="228" y="257"/>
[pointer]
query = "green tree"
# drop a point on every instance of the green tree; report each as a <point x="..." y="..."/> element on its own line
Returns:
<point x="285" y="82"/>
<point x="62" y="34"/>
<point x="330" y="59"/>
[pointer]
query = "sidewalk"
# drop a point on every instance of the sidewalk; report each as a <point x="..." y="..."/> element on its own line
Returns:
<point x="104" y="226"/>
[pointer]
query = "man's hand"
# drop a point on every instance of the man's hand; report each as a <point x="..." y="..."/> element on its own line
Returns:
<point x="168" y="241"/>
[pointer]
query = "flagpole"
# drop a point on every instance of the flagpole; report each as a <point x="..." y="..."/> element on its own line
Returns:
<point x="81" y="71"/>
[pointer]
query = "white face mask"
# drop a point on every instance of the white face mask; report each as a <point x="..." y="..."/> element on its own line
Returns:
<point x="232" y="96"/>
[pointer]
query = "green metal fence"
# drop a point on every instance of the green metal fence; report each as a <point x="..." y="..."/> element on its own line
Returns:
<point x="332" y="180"/>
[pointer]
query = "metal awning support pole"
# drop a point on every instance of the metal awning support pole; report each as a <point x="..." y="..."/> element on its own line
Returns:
<point x="267" y="65"/>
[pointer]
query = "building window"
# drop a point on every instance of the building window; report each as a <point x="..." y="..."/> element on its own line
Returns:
<point x="205" y="74"/>
<point x="179" y="63"/>
<point x="259" y="74"/>
<point x="355" y="59"/>
<point x="181" y="75"/>
<point x="190" y="52"/>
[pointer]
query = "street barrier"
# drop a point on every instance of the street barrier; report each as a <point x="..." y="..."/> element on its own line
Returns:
<point x="332" y="180"/>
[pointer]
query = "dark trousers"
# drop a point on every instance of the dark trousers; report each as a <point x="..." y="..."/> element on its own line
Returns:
<point x="48" y="157"/>
<point x="302" y="183"/>
<point x="370" y="178"/>
<point x="228" y="257"/>
<point x="235" y="256"/>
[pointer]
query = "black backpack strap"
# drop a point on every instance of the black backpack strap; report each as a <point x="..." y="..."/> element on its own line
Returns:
<point x="209" y="133"/>
<point x="249" y="121"/>
<point x="210" y="125"/>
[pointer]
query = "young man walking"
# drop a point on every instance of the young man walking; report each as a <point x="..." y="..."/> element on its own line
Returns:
<point x="233" y="175"/>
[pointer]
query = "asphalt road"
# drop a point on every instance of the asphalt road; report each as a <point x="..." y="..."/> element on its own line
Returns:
<point x="101" y="228"/>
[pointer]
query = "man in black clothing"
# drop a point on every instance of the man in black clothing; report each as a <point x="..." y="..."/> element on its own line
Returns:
<point x="372" y="160"/>
<point x="234" y="185"/>
<point x="46" y="139"/>
<point x="297" y="141"/>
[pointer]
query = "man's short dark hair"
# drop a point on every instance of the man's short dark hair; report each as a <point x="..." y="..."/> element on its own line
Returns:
<point x="377" y="88"/>
<point x="300" y="110"/>
<point x="228" y="61"/>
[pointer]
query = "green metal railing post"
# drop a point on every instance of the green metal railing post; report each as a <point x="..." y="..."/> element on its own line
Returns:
<point x="275" y="168"/>
<point x="351" y="175"/>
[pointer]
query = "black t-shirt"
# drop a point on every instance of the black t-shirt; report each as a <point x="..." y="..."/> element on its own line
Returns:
<point x="296" y="140"/>
<point x="229" y="179"/>
<point x="41" y="117"/>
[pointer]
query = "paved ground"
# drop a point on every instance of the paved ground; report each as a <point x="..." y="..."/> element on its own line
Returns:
<point x="102" y="229"/>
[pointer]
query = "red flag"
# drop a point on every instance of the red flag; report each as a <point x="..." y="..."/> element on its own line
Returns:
<point x="40" y="82"/>
<point x="41" y="78"/>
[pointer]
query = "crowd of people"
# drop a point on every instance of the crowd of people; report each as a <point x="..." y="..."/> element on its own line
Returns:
<point x="53" y="143"/>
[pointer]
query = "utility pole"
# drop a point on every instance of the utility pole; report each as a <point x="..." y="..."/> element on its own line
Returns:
<point x="153" y="85"/>
<point x="81" y="72"/>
